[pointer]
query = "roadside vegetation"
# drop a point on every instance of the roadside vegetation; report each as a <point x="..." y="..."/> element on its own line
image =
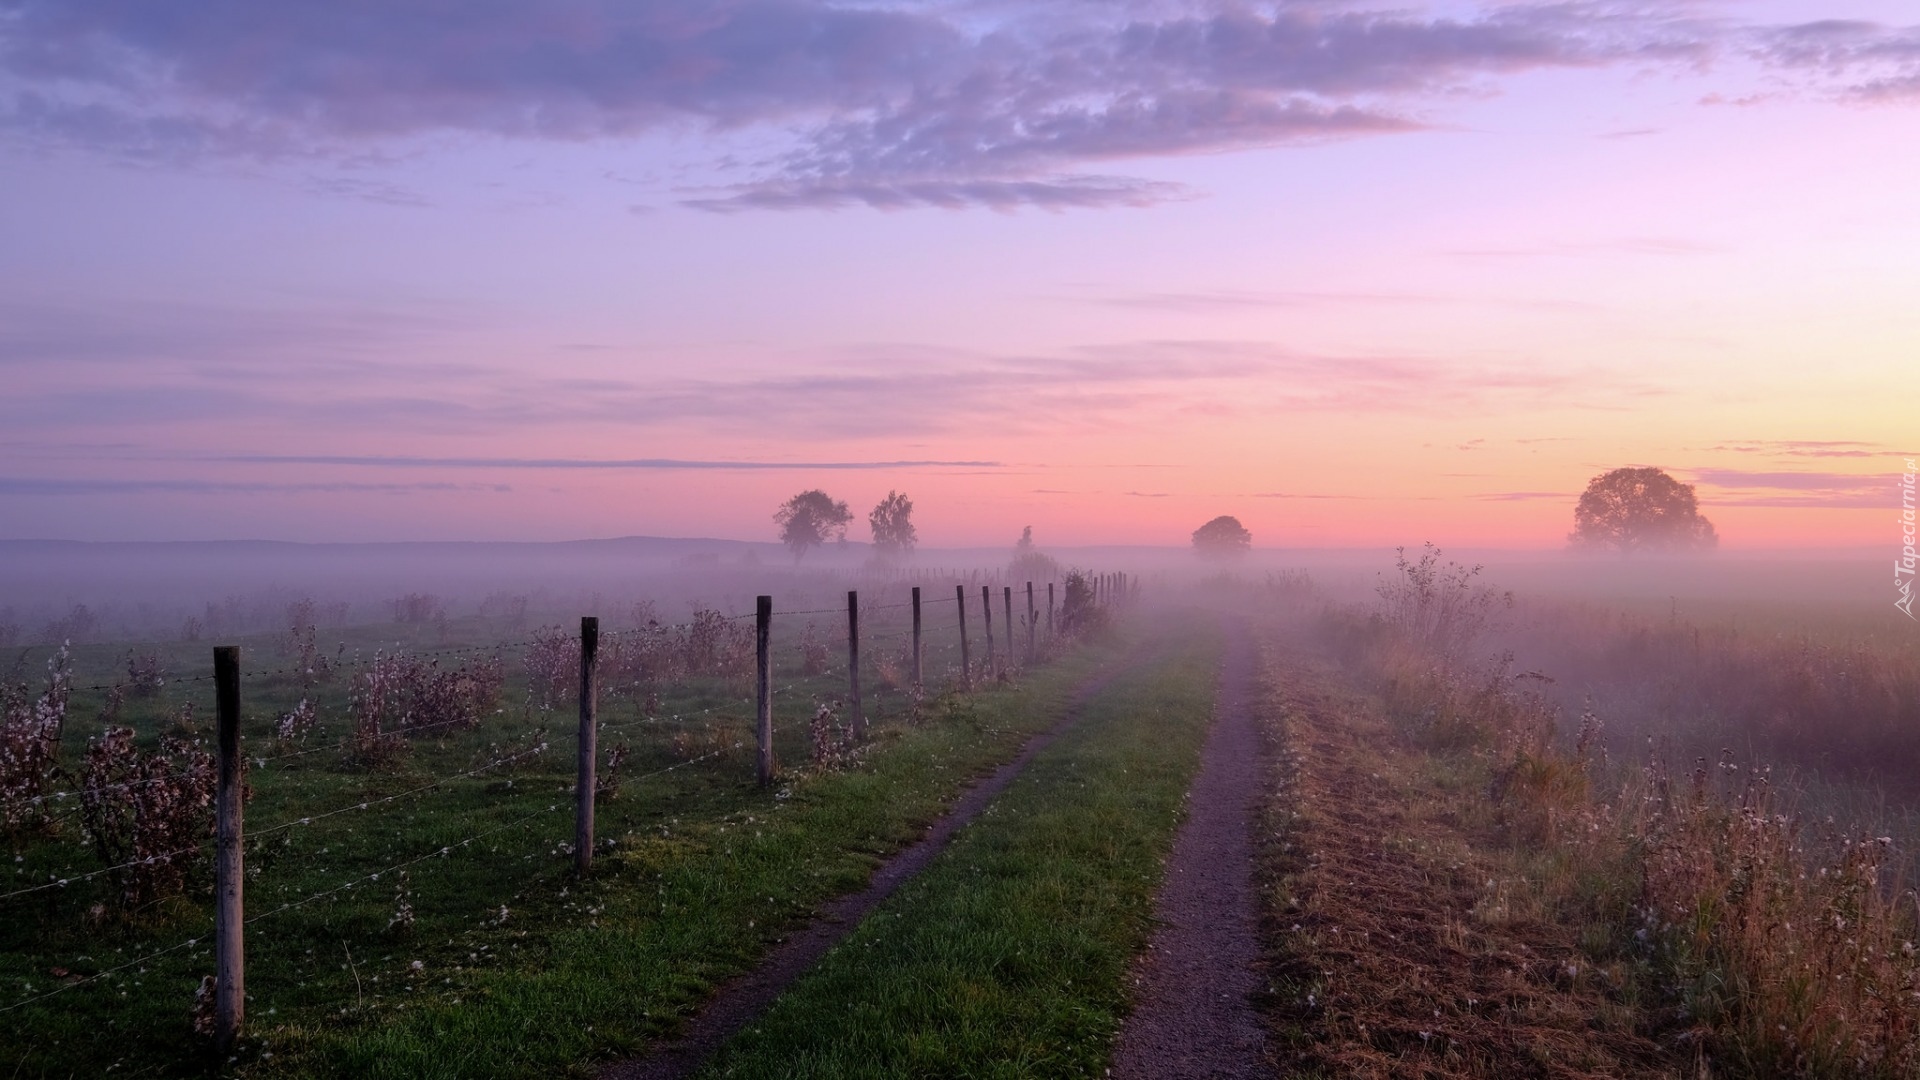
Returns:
<point x="1613" y="905"/>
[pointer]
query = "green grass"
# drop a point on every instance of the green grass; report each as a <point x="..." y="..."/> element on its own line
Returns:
<point x="704" y="871"/>
<point x="1008" y="957"/>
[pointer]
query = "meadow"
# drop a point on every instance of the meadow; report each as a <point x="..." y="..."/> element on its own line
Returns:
<point x="410" y="902"/>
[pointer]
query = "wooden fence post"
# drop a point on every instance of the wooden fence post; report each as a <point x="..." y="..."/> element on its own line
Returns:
<point x="986" y="606"/>
<point x="1033" y="620"/>
<point x="1008" y="591"/>
<point x="916" y="638"/>
<point x="589" y="742"/>
<point x="966" y="658"/>
<point x="853" y="665"/>
<point x="230" y="978"/>
<point x="1049" y="611"/>
<point x="763" y="682"/>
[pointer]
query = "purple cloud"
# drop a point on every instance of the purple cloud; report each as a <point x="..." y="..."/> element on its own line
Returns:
<point x="1817" y="448"/>
<point x="947" y="105"/>
<point x="1744" y="479"/>
<point x="1868" y="61"/>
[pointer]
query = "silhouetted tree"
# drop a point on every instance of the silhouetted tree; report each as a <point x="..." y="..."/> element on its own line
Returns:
<point x="1630" y="510"/>
<point x="810" y="519"/>
<point x="1222" y="538"/>
<point x="892" y="524"/>
<point x="1029" y="562"/>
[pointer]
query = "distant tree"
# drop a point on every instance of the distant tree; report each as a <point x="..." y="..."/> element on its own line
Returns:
<point x="810" y="519"/>
<point x="892" y="524"/>
<point x="1630" y="510"/>
<point x="1029" y="562"/>
<point x="1222" y="538"/>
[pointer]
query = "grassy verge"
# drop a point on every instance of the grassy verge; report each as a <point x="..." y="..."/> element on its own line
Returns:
<point x="506" y="966"/>
<point x="1710" y="927"/>
<point x="1008" y="957"/>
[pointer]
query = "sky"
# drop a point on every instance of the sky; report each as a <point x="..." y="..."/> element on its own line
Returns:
<point x="1358" y="274"/>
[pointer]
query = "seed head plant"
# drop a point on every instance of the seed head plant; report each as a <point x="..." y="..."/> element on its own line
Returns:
<point x="146" y="813"/>
<point x="30" y="730"/>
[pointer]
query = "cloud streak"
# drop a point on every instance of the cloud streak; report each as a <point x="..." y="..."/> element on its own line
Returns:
<point x="17" y="485"/>
<point x="586" y="464"/>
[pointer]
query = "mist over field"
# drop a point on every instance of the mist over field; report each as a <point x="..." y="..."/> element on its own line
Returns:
<point x="145" y="590"/>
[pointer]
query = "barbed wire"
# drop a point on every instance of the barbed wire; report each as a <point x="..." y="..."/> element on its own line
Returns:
<point x="66" y="986"/>
<point x="367" y="804"/>
<point x="447" y="850"/>
<point x="62" y="883"/>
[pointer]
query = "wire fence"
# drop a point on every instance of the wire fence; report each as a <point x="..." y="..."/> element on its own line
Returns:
<point x="365" y="769"/>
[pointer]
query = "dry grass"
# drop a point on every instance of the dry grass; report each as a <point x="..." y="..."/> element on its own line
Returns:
<point x="1407" y="940"/>
<point x="1772" y="944"/>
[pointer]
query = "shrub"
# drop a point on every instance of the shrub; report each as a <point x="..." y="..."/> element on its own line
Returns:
<point x="608" y="773"/>
<point x="830" y="737"/>
<point x="399" y="695"/>
<point x="814" y="653"/>
<point x="1080" y="614"/>
<point x="30" y="729"/>
<point x="417" y="608"/>
<point x="146" y="813"/>
<point x="712" y="644"/>
<point x="508" y="609"/>
<point x="78" y="625"/>
<point x="310" y="665"/>
<point x="553" y="667"/>
<point x="145" y="676"/>
<point x="1439" y="606"/>
<point x="294" y="726"/>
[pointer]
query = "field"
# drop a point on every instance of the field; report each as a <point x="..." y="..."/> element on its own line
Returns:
<point x="1494" y="836"/>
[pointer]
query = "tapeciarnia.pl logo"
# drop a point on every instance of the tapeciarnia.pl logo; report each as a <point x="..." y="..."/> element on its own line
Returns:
<point x="1903" y="567"/>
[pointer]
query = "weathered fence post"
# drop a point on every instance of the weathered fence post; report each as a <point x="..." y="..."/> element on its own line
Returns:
<point x="966" y="658"/>
<point x="986" y="606"/>
<point x="763" y="682"/>
<point x="589" y="742"/>
<point x="1049" y="611"/>
<point x="916" y="638"/>
<point x="1033" y="621"/>
<point x="1008" y="590"/>
<point x="230" y="960"/>
<point x="853" y="665"/>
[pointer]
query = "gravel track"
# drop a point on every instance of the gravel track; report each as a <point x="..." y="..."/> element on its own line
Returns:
<point x="1194" y="1014"/>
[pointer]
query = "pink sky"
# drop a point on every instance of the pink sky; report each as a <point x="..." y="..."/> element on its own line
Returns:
<point x="1357" y="274"/>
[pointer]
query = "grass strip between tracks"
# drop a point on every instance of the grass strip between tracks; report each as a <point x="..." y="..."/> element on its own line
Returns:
<point x="1009" y="956"/>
